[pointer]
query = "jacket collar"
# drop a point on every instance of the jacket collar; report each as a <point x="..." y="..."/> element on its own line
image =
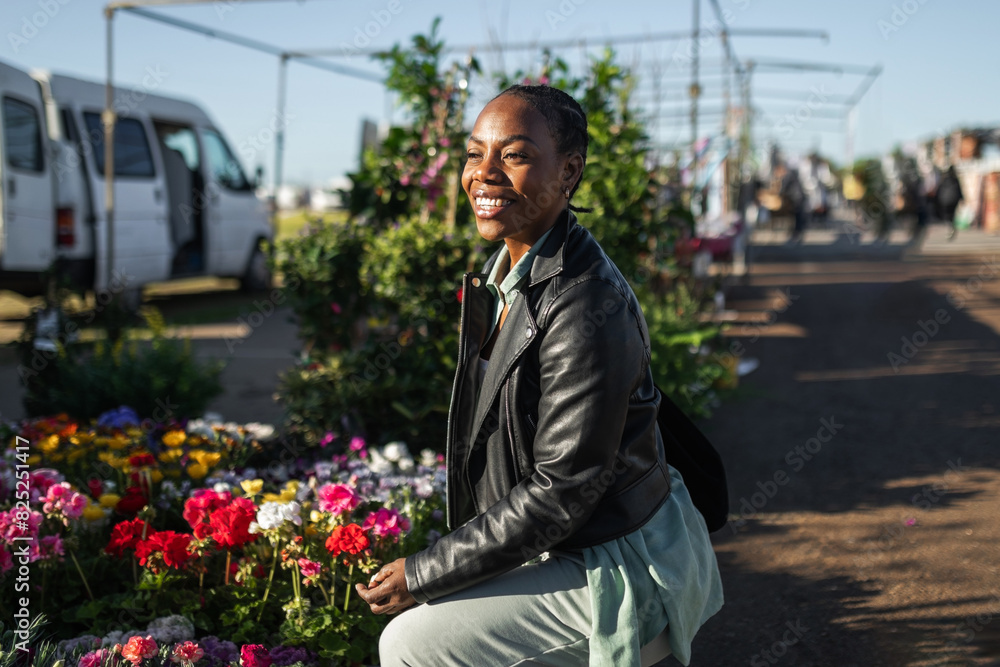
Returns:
<point x="551" y="256"/>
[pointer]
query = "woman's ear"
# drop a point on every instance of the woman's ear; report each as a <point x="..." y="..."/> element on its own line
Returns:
<point x="572" y="170"/>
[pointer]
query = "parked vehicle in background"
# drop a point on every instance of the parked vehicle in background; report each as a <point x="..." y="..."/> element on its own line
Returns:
<point x="182" y="204"/>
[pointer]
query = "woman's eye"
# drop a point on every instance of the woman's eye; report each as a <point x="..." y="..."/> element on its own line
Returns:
<point x="469" y="155"/>
<point x="515" y="156"/>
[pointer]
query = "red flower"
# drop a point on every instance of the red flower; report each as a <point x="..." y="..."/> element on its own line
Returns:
<point x="170" y="546"/>
<point x="254" y="655"/>
<point x="124" y="536"/>
<point x="200" y="505"/>
<point x="138" y="649"/>
<point x="96" y="488"/>
<point x="142" y="461"/>
<point x="230" y="525"/>
<point x="461" y="293"/>
<point x="350" y="539"/>
<point x="133" y="501"/>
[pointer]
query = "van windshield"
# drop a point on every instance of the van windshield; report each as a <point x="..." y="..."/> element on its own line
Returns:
<point x="223" y="166"/>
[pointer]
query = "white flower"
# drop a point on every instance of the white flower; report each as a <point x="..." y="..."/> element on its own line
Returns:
<point x="221" y="487"/>
<point x="428" y="458"/>
<point x="406" y="464"/>
<point x="259" y="431"/>
<point x="272" y="514"/>
<point x="423" y="488"/>
<point x="395" y="451"/>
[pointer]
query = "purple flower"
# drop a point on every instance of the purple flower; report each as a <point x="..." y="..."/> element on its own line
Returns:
<point x="281" y="656"/>
<point x="219" y="652"/>
<point x="119" y="418"/>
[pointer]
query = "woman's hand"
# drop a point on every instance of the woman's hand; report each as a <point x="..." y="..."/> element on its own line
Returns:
<point x="387" y="593"/>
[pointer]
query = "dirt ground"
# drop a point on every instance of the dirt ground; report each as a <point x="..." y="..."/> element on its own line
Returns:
<point x="863" y="458"/>
<point x="865" y="487"/>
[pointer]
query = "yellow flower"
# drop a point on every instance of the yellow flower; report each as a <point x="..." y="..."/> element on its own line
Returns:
<point x="49" y="445"/>
<point x="118" y="442"/>
<point x="75" y="455"/>
<point x="134" y="432"/>
<point x="316" y="516"/>
<point x="271" y="498"/>
<point x="83" y="437"/>
<point x="93" y="513"/>
<point x="174" y="438"/>
<point x="252" y="487"/>
<point x="311" y="530"/>
<point x="196" y="471"/>
<point x="109" y="500"/>
<point x="34" y="459"/>
<point x="286" y="495"/>
<point x="156" y="476"/>
<point x="170" y="455"/>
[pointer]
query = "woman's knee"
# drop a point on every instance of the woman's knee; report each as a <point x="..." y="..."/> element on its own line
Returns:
<point x="396" y="645"/>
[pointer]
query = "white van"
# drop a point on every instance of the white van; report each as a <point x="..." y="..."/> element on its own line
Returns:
<point x="182" y="204"/>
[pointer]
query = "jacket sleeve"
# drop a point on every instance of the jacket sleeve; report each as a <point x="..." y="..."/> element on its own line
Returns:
<point x="592" y="356"/>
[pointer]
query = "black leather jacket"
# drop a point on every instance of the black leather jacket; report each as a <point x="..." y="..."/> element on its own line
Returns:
<point x="560" y="447"/>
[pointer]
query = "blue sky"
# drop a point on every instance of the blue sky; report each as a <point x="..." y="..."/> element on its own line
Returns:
<point x="937" y="71"/>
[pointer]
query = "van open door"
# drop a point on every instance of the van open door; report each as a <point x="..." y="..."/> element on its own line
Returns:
<point x="27" y="208"/>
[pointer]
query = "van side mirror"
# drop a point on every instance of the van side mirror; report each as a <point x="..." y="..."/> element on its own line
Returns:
<point x="258" y="178"/>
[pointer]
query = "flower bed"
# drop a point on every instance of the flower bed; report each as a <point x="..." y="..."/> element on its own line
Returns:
<point x="190" y="532"/>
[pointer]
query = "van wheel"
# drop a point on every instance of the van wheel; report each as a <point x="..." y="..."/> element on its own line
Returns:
<point x="257" y="277"/>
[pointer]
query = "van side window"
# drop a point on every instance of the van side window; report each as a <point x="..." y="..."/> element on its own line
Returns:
<point x="132" y="154"/>
<point x="22" y="135"/>
<point x="221" y="163"/>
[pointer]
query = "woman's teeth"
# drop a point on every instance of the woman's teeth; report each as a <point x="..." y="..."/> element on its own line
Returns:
<point x="483" y="202"/>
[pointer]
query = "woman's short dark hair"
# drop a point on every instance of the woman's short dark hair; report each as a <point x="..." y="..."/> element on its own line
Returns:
<point x="565" y="117"/>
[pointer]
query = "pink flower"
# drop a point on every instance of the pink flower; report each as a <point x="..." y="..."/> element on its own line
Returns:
<point x="6" y="560"/>
<point x="337" y="498"/>
<point x="187" y="654"/>
<point x="327" y="439"/>
<point x="254" y="655"/>
<point x="335" y="307"/>
<point x="358" y="444"/>
<point x="52" y="546"/>
<point x="386" y="523"/>
<point x="138" y="649"/>
<point x="97" y="658"/>
<point x="62" y="502"/>
<point x="309" y="568"/>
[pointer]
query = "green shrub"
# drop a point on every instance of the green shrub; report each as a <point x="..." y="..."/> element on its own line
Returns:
<point x="159" y="377"/>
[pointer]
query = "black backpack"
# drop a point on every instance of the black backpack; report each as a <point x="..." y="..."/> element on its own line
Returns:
<point x="688" y="450"/>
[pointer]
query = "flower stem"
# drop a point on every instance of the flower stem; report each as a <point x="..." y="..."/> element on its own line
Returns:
<point x="228" y="553"/>
<point x="274" y="566"/>
<point x="347" y="595"/>
<point x="82" y="575"/>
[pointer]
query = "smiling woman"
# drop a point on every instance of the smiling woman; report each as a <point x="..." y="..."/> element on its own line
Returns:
<point x="572" y="538"/>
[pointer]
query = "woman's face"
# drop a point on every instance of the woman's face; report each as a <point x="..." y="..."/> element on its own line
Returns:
<point x="515" y="177"/>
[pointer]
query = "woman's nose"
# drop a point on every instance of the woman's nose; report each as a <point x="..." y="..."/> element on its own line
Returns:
<point x="488" y="170"/>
